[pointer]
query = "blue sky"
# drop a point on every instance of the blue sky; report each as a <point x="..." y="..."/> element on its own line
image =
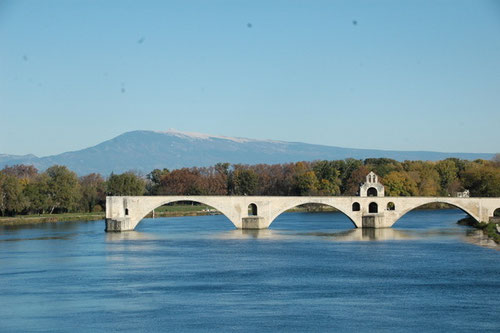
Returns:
<point x="407" y="75"/>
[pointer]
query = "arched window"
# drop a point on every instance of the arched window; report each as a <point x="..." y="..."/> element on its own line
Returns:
<point x="391" y="206"/>
<point x="373" y="207"/>
<point x="372" y="192"/>
<point x="496" y="213"/>
<point x="252" y="209"/>
<point x="126" y="211"/>
<point x="356" y="207"/>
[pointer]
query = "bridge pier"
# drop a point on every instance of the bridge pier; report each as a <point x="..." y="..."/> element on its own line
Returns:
<point x="253" y="223"/>
<point x="374" y="221"/>
<point x="118" y="225"/>
<point x="113" y="225"/>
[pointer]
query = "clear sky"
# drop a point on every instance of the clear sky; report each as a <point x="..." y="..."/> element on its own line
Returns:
<point x="407" y="75"/>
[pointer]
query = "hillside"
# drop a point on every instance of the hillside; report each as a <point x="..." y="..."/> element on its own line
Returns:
<point x="146" y="150"/>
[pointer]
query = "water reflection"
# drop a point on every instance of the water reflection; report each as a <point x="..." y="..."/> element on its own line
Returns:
<point x="64" y="237"/>
<point x="366" y="234"/>
<point x="248" y="234"/>
<point x="70" y="225"/>
<point x="477" y="237"/>
<point x="119" y="245"/>
<point x="353" y="235"/>
<point x="128" y="235"/>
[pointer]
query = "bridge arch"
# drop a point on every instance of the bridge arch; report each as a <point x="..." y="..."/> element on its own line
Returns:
<point x="496" y="213"/>
<point x="307" y="202"/>
<point x="447" y="202"/>
<point x="148" y="207"/>
<point x="373" y="207"/>
<point x="252" y="210"/>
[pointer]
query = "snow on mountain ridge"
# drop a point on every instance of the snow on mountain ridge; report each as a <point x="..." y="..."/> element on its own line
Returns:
<point x="202" y="136"/>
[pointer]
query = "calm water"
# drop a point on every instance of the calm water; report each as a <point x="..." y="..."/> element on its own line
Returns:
<point x="310" y="272"/>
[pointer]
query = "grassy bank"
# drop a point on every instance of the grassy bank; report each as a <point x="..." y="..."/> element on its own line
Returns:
<point x="163" y="211"/>
<point x="183" y="210"/>
<point x="45" y="218"/>
<point x="489" y="229"/>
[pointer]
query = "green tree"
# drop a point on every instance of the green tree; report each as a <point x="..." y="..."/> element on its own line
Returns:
<point x="482" y="180"/>
<point x="306" y="183"/>
<point x="383" y="166"/>
<point x="327" y="175"/>
<point x="155" y="178"/>
<point x="12" y="200"/>
<point x="127" y="183"/>
<point x="63" y="189"/>
<point x="36" y="193"/>
<point x="346" y="169"/>
<point x="447" y="170"/>
<point x="243" y="181"/>
<point x="93" y="192"/>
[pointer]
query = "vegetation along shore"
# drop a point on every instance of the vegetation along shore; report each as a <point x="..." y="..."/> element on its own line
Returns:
<point x="58" y="194"/>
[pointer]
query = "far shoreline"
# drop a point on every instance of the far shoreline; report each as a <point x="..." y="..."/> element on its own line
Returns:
<point x="179" y="211"/>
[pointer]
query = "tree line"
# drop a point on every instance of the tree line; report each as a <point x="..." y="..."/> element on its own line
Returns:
<point x="25" y="190"/>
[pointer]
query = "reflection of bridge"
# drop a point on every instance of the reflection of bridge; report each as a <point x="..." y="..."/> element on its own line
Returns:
<point x="258" y="212"/>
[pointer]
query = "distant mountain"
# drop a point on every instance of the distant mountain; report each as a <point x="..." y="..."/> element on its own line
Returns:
<point x="146" y="150"/>
<point x="11" y="159"/>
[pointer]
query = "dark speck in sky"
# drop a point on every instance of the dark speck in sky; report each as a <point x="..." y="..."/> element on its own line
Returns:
<point x="25" y="58"/>
<point x="249" y="25"/>
<point x="123" y="88"/>
<point x="141" y="40"/>
<point x="354" y="22"/>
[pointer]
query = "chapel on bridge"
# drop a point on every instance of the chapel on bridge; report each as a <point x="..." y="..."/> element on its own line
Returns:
<point x="372" y="187"/>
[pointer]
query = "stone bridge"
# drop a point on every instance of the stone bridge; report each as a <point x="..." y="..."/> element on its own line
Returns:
<point x="258" y="212"/>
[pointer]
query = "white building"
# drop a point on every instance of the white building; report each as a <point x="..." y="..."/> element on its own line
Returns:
<point x="372" y="187"/>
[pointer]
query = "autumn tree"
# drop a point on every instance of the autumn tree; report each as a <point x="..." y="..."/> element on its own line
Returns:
<point x="399" y="183"/>
<point x="425" y="176"/>
<point x="25" y="173"/>
<point x="357" y="177"/>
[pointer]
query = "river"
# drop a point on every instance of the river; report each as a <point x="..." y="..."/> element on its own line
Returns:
<point x="309" y="272"/>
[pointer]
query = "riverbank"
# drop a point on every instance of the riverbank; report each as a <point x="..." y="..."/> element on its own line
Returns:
<point x="171" y="211"/>
<point x="50" y="218"/>
<point x="489" y="229"/>
<point x="163" y="211"/>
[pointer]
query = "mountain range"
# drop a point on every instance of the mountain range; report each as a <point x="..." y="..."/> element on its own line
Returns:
<point x="144" y="151"/>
